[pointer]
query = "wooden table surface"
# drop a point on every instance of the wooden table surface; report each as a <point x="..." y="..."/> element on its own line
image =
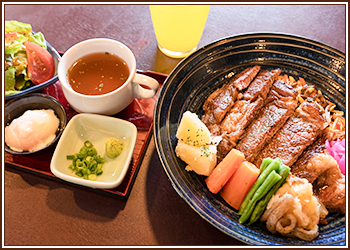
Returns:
<point x="40" y="211"/>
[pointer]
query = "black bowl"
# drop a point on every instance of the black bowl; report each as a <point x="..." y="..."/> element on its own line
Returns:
<point x="56" y="58"/>
<point x="197" y="76"/>
<point x="16" y="107"/>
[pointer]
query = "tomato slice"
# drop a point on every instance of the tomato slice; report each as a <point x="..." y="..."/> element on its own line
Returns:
<point x="41" y="66"/>
<point x="11" y="36"/>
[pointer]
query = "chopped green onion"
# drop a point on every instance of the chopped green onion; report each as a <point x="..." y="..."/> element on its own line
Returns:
<point x="87" y="163"/>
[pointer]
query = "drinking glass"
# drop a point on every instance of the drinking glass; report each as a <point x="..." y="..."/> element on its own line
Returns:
<point x="178" y="28"/>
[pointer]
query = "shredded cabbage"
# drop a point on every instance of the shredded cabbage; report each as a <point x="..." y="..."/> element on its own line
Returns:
<point x="337" y="150"/>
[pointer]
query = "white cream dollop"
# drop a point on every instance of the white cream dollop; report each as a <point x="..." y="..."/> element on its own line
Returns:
<point x="32" y="131"/>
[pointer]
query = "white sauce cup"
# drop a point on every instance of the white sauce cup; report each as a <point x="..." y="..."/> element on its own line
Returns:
<point x="112" y="102"/>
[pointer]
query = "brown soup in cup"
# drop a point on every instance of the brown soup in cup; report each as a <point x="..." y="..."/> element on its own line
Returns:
<point x="98" y="73"/>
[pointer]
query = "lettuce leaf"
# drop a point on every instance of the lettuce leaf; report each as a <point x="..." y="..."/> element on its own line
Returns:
<point x="21" y="83"/>
<point x="17" y="33"/>
<point x="13" y="83"/>
<point x="39" y="39"/>
<point x="14" y="42"/>
<point x="10" y="79"/>
<point x="19" y="27"/>
<point x="19" y="61"/>
<point x="11" y="92"/>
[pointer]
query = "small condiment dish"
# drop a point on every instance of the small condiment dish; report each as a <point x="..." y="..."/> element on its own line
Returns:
<point x="112" y="102"/>
<point x="96" y="129"/>
<point x="35" y="101"/>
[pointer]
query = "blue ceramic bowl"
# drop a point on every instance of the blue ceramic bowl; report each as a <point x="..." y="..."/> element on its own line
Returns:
<point x="197" y="76"/>
<point x="56" y="58"/>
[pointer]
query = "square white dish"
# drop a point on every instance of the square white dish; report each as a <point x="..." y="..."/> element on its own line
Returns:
<point x="97" y="129"/>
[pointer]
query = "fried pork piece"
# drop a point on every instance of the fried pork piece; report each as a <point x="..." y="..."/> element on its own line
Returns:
<point x="296" y="135"/>
<point x="294" y="210"/>
<point x="330" y="190"/>
<point x="321" y="169"/>
<point x="279" y="106"/>
<point x="245" y="110"/>
<point x="222" y="100"/>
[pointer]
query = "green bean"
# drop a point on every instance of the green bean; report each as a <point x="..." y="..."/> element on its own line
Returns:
<point x="262" y="204"/>
<point x="274" y="165"/>
<point x="265" y="162"/>
<point x="268" y="183"/>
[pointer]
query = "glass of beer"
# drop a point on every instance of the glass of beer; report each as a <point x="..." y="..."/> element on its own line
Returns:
<point x="178" y="28"/>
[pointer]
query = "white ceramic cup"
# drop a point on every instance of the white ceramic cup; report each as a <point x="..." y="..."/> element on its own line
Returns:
<point x="112" y="102"/>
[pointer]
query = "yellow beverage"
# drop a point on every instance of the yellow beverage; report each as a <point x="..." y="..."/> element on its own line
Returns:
<point x="178" y="28"/>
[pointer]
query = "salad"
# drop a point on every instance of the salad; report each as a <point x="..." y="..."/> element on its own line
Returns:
<point x="27" y="61"/>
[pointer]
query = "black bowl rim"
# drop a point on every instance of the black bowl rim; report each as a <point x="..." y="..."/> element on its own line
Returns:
<point x="62" y="125"/>
<point x="242" y="35"/>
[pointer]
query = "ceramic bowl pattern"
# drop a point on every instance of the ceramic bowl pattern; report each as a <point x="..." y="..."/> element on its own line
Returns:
<point x="16" y="107"/>
<point x="97" y="129"/>
<point x="56" y="58"/>
<point x="197" y="76"/>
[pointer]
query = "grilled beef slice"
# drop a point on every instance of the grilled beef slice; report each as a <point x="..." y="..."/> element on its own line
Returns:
<point x="279" y="106"/>
<point x="244" y="111"/>
<point x="223" y="99"/>
<point x="235" y="122"/>
<point x="243" y="79"/>
<point x="261" y="84"/>
<point x="300" y="131"/>
<point x="308" y="165"/>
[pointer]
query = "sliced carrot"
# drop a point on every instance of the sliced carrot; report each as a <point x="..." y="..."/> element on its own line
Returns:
<point x="224" y="170"/>
<point x="239" y="184"/>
